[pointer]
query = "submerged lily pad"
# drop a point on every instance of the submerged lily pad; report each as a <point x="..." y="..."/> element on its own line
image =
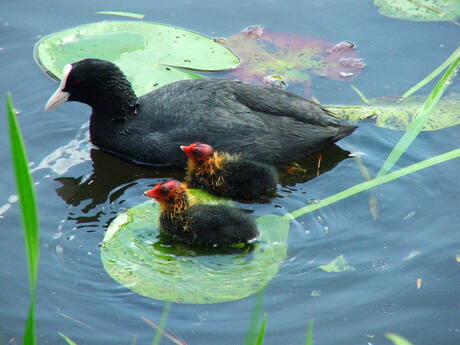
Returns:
<point x="134" y="257"/>
<point x="420" y="10"/>
<point x="292" y="56"/>
<point x="146" y="52"/>
<point x="398" y="114"/>
<point x="339" y="264"/>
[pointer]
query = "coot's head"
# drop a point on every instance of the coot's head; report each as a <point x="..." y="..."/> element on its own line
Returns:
<point x="92" y="81"/>
<point x="166" y="191"/>
<point x="198" y="151"/>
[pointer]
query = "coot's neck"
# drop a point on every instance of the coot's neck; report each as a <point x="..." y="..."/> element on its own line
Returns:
<point x="175" y="206"/>
<point x="207" y="166"/>
<point x="117" y="103"/>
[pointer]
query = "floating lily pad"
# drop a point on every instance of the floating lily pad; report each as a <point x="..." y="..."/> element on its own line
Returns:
<point x="133" y="256"/>
<point x="122" y="14"/>
<point x="398" y="114"/>
<point x="292" y="56"/>
<point x="339" y="264"/>
<point x="146" y="52"/>
<point x="420" y="10"/>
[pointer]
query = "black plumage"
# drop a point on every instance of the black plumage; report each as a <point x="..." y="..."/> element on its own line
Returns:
<point x="267" y="124"/>
<point x="200" y="225"/>
<point x="225" y="175"/>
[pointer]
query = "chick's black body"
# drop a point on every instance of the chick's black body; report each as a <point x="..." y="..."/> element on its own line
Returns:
<point x="267" y="124"/>
<point x="209" y="226"/>
<point x="237" y="178"/>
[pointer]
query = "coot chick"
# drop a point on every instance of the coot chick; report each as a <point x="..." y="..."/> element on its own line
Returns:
<point x="267" y="124"/>
<point x="226" y="175"/>
<point x="200" y="225"/>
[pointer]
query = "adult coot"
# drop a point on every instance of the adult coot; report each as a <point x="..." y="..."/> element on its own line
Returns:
<point x="228" y="175"/>
<point x="200" y="225"/>
<point x="266" y="124"/>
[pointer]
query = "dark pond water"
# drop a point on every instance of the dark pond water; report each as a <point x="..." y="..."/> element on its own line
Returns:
<point x="81" y="189"/>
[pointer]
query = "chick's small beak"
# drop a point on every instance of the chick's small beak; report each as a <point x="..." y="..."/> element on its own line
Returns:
<point x="186" y="149"/>
<point x="149" y="193"/>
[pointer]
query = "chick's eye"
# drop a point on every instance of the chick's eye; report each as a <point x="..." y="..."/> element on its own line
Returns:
<point x="164" y="191"/>
<point x="197" y="151"/>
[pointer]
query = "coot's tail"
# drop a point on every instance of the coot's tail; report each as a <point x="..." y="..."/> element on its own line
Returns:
<point x="344" y="130"/>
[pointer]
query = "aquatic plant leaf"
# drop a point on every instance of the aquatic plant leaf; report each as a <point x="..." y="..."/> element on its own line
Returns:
<point x="399" y="113"/>
<point x="423" y="115"/>
<point x="339" y="264"/>
<point x="163" y="318"/>
<point x="133" y="256"/>
<point x="122" y="14"/>
<point x="420" y="10"/>
<point x="261" y="335"/>
<point x="361" y="187"/>
<point x="292" y="56"/>
<point x="397" y="339"/>
<point x="256" y="318"/>
<point x="451" y="59"/>
<point x="67" y="339"/>
<point x="146" y="52"/>
<point x="309" y="335"/>
<point x="29" y="214"/>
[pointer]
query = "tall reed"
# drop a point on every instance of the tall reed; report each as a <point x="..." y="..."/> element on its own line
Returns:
<point x="29" y="214"/>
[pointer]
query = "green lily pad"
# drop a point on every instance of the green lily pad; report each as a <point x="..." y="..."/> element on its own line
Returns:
<point x="339" y="264"/>
<point x="146" y="52"/>
<point x="122" y="14"/>
<point x="398" y="114"/>
<point x="133" y="256"/>
<point x="420" y="10"/>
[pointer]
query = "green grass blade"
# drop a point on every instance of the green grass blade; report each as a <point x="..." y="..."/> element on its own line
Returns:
<point x="433" y="74"/>
<point x="163" y="318"/>
<point x="420" y="119"/>
<point x="29" y="213"/>
<point x="25" y="191"/>
<point x="309" y="336"/>
<point x="29" y="337"/>
<point x="374" y="182"/>
<point x="256" y="314"/>
<point x="397" y="339"/>
<point x="361" y="95"/>
<point x="261" y="335"/>
<point x="122" y="14"/>
<point x="67" y="339"/>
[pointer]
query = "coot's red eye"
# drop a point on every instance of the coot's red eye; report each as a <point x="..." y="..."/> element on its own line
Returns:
<point x="76" y="81"/>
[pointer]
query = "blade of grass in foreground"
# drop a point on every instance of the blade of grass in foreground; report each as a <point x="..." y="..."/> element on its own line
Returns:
<point x="67" y="339"/>
<point x="261" y="335"/>
<point x="374" y="182"/>
<point x="309" y="336"/>
<point x="28" y="212"/>
<point x="163" y="318"/>
<point x="253" y="332"/>
<point x="397" y="339"/>
<point x="421" y="118"/>
<point x="433" y="74"/>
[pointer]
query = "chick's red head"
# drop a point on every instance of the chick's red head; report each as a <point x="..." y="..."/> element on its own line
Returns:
<point x="198" y="151"/>
<point x="164" y="190"/>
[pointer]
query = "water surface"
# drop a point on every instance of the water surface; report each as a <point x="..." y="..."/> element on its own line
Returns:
<point x="415" y="235"/>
